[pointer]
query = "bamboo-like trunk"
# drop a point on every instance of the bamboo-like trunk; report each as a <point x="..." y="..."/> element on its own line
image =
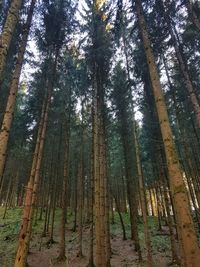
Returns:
<point x="190" y="253"/>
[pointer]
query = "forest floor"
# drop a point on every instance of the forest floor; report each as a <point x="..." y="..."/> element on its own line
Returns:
<point x="43" y="255"/>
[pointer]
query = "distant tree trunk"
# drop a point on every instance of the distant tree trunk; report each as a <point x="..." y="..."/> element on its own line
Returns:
<point x="80" y="207"/>
<point x="55" y="186"/>
<point x="143" y="200"/>
<point x="6" y="36"/>
<point x="189" y="247"/>
<point x="91" y="197"/>
<point x="7" y="196"/>
<point x="121" y="218"/>
<point x="67" y="119"/>
<point x="174" y="247"/>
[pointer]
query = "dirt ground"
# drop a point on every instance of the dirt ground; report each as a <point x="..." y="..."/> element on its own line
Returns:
<point x="123" y="254"/>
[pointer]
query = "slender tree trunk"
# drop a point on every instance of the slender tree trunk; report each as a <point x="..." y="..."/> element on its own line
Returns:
<point x="91" y="196"/>
<point x="80" y="208"/>
<point x="62" y="251"/>
<point x="121" y="218"/>
<point x="100" y="179"/>
<point x="143" y="201"/>
<point x="189" y="246"/>
<point x="7" y="197"/>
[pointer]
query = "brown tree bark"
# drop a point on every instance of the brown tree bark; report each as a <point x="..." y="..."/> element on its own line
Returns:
<point x="32" y="188"/>
<point x="6" y="36"/>
<point x="25" y="231"/>
<point x="190" y="253"/>
<point x="10" y="106"/>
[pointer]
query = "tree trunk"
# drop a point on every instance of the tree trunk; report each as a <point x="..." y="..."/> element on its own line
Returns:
<point x="10" y="106"/>
<point x="100" y="179"/>
<point x="25" y="232"/>
<point x="189" y="247"/>
<point x="143" y="200"/>
<point x="6" y="36"/>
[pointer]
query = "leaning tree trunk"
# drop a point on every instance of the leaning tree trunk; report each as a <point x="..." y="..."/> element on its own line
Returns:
<point x="6" y="36"/>
<point x="32" y="188"/>
<point x="10" y="106"/>
<point x="189" y="246"/>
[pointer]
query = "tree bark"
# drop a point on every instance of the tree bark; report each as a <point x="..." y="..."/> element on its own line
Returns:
<point x="190" y="253"/>
<point x="6" y="36"/>
<point x="10" y="106"/>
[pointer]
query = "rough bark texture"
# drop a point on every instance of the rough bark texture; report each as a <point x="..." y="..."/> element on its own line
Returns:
<point x="6" y="36"/>
<point x="31" y="191"/>
<point x="190" y="253"/>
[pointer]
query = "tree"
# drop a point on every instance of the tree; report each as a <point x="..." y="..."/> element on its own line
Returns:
<point x="186" y="232"/>
<point x="10" y="107"/>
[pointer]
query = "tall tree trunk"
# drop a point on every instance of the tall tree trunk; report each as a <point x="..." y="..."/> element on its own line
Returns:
<point x="189" y="247"/>
<point x="143" y="200"/>
<point x="91" y="196"/>
<point x="10" y="106"/>
<point x="32" y="188"/>
<point x="6" y="36"/>
<point x="62" y="251"/>
<point x="25" y="231"/>
<point x="100" y="179"/>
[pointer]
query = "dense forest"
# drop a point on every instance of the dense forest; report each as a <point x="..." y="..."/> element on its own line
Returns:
<point x="100" y="133"/>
